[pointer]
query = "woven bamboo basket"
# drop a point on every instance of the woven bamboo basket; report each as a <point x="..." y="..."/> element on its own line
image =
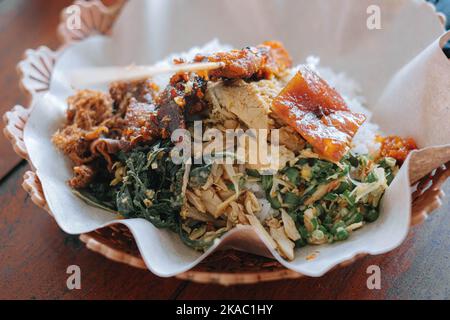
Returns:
<point x="116" y="242"/>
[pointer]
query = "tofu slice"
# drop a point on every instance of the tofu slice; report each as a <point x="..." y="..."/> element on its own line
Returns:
<point x="249" y="102"/>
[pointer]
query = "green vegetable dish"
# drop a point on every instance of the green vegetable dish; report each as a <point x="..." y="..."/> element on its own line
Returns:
<point x="320" y="201"/>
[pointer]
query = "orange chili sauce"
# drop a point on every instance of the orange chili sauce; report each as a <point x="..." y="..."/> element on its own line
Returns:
<point x="396" y="147"/>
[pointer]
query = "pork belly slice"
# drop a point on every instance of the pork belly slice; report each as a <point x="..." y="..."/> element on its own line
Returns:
<point x="318" y="113"/>
<point x="143" y="91"/>
<point x="141" y="122"/>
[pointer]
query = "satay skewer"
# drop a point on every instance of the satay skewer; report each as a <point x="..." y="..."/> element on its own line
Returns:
<point x="82" y="78"/>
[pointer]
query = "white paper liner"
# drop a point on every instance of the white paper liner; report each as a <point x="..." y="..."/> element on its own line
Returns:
<point x="147" y="31"/>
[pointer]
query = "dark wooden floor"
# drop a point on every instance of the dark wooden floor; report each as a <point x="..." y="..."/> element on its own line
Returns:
<point x="34" y="253"/>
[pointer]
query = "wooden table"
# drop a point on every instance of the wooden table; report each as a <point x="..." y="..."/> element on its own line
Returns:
<point x="35" y="253"/>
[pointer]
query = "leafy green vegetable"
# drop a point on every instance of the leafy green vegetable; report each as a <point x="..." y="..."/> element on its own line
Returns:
<point x="344" y="186"/>
<point x="352" y="159"/>
<point x="293" y="175"/>
<point x="253" y="173"/>
<point x="199" y="176"/>
<point x="100" y="193"/>
<point x="93" y="201"/>
<point x="267" y="182"/>
<point x="336" y="209"/>
<point x="292" y="200"/>
<point x="353" y="218"/>
<point x="342" y="234"/>
<point x="231" y="186"/>
<point x="151" y="169"/>
<point x="200" y="244"/>
<point x="330" y="196"/>
<point x="371" y="215"/>
<point x="274" y="202"/>
<point x="321" y="170"/>
<point x="349" y="198"/>
<point x="371" y="177"/>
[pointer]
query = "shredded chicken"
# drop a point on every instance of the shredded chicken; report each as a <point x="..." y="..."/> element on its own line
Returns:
<point x="107" y="147"/>
<point x="83" y="175"/>
<point x="88" y="109"/>
<point x="88" y="118"/>
<point x="242" y="100"/>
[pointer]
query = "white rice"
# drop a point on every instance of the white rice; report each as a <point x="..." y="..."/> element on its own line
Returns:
<point x="267" y="211"/>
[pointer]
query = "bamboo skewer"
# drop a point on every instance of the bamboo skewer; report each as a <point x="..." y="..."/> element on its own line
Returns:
<point x="82" y="78"/>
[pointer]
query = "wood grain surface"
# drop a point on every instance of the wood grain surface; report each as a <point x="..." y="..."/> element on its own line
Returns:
<point x="35" y="253"/>
<point x="24" y="24"/>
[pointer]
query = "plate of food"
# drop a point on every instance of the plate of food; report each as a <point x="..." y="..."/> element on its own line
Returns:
<point x="277" y="148"/>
